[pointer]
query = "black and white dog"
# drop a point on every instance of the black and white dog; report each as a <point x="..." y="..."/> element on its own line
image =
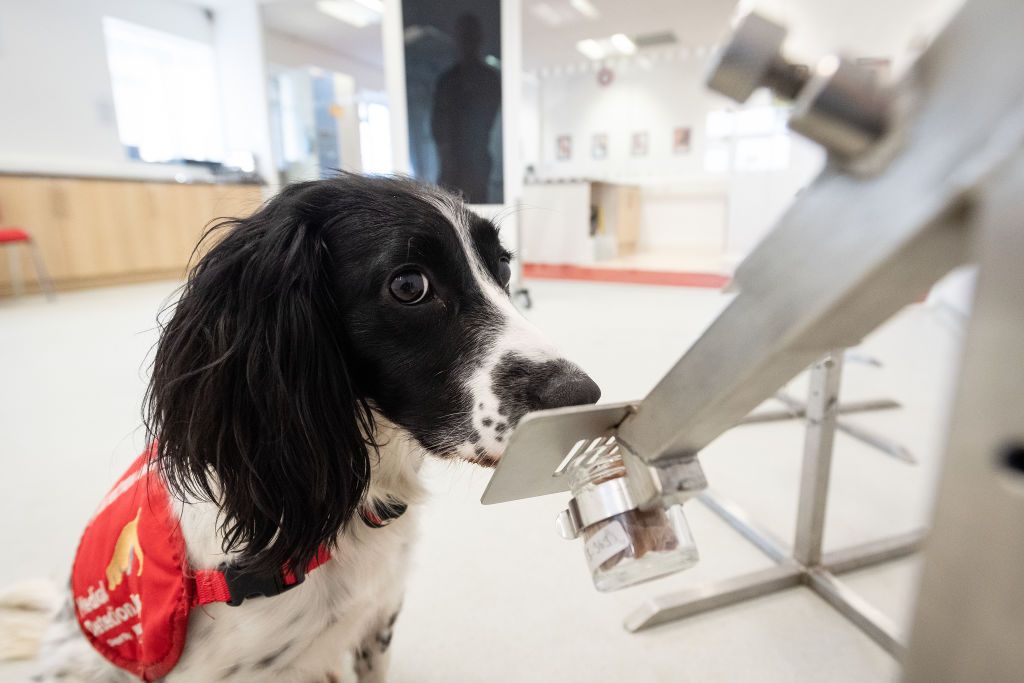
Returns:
<point x="319" y="351"/>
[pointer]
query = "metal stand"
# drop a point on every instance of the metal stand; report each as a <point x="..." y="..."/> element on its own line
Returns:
<point x="913" y="189"/>
<point x="877" y="441"/>
<point x="807" y="564"/>
<point x="970" y="611"/>
<point x="42" y="275"/>
<point x="797" y="409"/>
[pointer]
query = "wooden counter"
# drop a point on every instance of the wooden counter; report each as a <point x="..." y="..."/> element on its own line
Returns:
<point x="99" y="231"/>
<point x="578" y="222"/>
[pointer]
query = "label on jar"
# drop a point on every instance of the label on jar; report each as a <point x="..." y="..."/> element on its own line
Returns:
<point x="606" y="543"/>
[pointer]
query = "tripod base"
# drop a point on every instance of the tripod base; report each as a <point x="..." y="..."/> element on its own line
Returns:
<point x="822" y="579"/>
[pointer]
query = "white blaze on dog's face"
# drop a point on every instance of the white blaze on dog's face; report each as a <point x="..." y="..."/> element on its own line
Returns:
<point x="446" y="354"/>
<point x="518" y="370"/>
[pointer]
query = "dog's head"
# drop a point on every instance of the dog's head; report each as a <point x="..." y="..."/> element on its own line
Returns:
<point x="340" y="299"/>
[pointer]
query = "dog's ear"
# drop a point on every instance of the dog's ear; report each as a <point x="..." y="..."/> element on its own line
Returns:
<point x="250" y="401"/>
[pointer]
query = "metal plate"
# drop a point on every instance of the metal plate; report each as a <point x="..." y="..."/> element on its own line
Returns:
<point x="539" y="444"/>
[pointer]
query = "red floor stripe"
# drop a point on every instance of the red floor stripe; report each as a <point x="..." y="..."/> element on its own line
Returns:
<point x="545" y="271"/>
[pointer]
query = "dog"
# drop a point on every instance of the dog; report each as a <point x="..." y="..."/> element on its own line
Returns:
<point x="320" y="350"/>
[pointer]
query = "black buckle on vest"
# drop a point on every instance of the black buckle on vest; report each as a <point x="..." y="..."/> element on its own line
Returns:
<point x="243" y="585"/>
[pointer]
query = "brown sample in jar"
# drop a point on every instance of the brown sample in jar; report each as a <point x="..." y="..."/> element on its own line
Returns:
<point x="647" y="530"/>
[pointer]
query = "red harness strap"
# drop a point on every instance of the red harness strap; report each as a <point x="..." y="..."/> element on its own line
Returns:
<point x="232" y="586"/>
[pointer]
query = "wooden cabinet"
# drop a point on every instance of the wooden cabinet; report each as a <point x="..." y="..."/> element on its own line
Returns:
<point x="97" y="231"/>
<point x="616" y="209"/>
<point x="578" y="222"/>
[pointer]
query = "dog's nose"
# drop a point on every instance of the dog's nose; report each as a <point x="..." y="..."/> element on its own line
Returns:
<point x="570" y="386"/>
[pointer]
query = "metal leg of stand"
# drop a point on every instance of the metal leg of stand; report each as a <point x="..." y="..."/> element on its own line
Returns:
<point x="522" y="296"/>
<point x="714" y="595"/>
<point x="733" y="515"/>
<point x="14" y="264"/>
<point x="817" y="463"/>
<point x="970" y="611"/>
<point x="875" y="552"/>
<point x="42" y="274"/>
<point x="863" y="615"/>
<point x="884" y="444"/>
<point x="801" y="412"/>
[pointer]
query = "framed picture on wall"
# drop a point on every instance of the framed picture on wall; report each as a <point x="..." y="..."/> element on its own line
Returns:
<point x="639" y="146"/>
<point x="563" y="147"/>
<point x="599" y="146"/>
<point x="681" y="140"/>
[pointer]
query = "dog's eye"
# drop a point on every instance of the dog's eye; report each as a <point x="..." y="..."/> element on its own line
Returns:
<point x="410" y="287"/>
<point x="504" y="271"/>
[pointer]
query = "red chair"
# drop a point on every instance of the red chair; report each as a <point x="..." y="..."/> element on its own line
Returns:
<point x="11" y="237"/>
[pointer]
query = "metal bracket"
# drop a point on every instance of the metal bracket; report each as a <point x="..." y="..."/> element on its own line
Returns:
<point x="546" y="439"/>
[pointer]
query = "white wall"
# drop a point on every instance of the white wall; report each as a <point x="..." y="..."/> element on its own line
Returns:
<point x="666" y="90"/>
<point x="58" y="110"/>
<point x="57" y="105"/>
<point x="684" y="206"/>
<point x="690" y="216"/>
<point x="285" y="52"/>
<point x="529" y="122"/>
<point x="655" y="99"/>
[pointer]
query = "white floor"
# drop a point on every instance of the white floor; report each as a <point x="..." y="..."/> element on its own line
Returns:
<point x="496" y="595"/>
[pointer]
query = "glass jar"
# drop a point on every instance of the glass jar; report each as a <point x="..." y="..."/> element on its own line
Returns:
<point x="624" y="544"/>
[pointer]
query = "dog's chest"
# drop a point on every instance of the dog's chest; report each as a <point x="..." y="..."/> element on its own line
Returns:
<point x="304" y="633"/>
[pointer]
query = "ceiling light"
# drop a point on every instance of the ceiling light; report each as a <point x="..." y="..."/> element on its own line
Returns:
<point x="623" y="44"/>
<point x="356" y="13"/>
<point x="591" y="48"/>
<point x="586" y="8"/>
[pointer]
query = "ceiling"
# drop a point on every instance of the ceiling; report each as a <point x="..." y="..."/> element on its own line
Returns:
<point x="300" y="19"/>
<point x="694" y="22"/>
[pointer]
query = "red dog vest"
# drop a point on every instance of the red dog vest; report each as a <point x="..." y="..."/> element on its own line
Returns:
<point x="132" y="585"/>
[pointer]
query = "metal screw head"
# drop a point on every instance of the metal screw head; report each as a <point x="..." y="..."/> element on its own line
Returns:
<point x="754" y="51"/>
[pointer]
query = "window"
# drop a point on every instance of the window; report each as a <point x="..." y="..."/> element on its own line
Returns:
<point x="165" y="94"/>
<point x="375" y="137"/>
<point x="751" y="139"/>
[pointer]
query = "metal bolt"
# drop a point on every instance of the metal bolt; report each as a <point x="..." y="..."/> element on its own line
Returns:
<point x="839" y="104"/>
<point x="752" y="59"/>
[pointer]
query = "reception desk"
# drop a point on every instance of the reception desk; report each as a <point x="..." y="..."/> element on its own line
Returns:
<point x="101" y="231"/>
